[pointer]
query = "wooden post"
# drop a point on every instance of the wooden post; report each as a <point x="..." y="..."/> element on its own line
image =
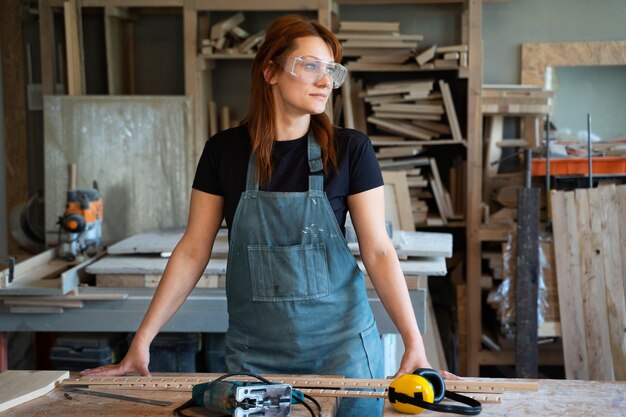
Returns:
<point x="14" y="97"/>
<point x="4" y="352"/>
<point x="526" y="349"/>
<point x="474" y="186"/>
<point x="46" y="41"/>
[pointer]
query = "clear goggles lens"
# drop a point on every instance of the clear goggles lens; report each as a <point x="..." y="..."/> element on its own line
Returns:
<point x="311" y="70"/>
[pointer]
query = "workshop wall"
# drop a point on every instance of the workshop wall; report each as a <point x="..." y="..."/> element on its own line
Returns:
<point x="579" y="90"/>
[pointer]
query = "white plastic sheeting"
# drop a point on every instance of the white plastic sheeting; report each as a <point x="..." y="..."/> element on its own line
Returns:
<point x="139" y="150"/>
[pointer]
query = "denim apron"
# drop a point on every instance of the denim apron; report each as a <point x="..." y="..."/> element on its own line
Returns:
<point x="297" y="302"/>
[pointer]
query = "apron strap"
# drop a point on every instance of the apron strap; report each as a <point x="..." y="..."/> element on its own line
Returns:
<point x="316" y="182"/>
<point x="316" y="176"/>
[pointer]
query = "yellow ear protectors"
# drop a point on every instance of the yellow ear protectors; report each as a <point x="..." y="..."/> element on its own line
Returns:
<point x="423" y="390"/>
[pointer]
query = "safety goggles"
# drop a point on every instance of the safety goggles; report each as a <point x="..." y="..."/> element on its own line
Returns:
<point x="311" y="70"/>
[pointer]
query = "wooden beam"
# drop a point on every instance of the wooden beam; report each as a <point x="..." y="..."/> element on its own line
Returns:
<point x="46" y="41"/>
<point x="526" y="281"/>
<point x="14" y="98"/>
<point x="75" y="69"/>
<point x="192" y="75"/>
<point x="4" y="352"/>
<point x="474" y="186"/>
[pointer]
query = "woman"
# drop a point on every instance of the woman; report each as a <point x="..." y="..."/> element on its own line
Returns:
<point x="284" y="182"/>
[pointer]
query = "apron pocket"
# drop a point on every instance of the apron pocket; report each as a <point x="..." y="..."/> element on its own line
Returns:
<point x="288" y="273"/>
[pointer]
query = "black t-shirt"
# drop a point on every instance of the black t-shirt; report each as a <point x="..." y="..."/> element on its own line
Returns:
<point x="224" y="162"/>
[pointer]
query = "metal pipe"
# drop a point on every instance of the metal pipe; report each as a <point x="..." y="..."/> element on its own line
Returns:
<point x="589" y="150"/>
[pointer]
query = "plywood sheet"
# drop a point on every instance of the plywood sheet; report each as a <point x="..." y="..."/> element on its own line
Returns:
<point x="536" y="57"/>
<point x="18" y="387"/>
<point x="138" y="149"/>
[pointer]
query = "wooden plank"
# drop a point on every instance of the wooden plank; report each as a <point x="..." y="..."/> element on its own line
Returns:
<point x="18" y="387"/>
<point x="4" y="350"/>
<point x="592" y="286"/>
<point x="44" y="303"/>
<point x="426" y="55"/>
<point x="47" y="45"/>
<point x="358" y="26"/>
<point x="495" y="130"/>
<point x="450" y="110"/>
<point x="398" y="200"/>
<point x="114" y="45"/>
<point x="400" y="127"/>
<point x="346" y="95"/>
<point x="187" y="381"/>
<point x="526" y="281"/>
<point x="473" y="10"/>
<point x="568" y="272"/>
<point x="75" y="70"/>
<point x="609" y="215"/>
<point x="40" y="274"/>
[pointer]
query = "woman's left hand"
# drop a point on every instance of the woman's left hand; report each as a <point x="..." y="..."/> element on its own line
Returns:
<point x="412" y="360"/>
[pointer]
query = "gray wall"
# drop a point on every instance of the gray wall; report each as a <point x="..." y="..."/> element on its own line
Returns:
<point x="600" y="91"/>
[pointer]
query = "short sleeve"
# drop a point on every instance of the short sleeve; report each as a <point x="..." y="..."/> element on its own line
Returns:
<point x="207" y="178"/>
<point x="364" y="169"/>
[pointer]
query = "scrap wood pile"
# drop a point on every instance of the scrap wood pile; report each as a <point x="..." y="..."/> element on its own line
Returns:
<point x="415" y="191"/>
<point x="228" y="37"/>
<point x="380" y="46"/>
<point x="377" y="45"/>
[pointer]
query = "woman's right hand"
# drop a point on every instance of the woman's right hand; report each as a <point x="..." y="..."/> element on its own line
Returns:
<point x="135" y="361"/>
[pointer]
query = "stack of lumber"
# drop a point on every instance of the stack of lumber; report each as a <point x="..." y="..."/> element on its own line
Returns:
<point x="377" y="46"/>
<point x="420" y="197"/>
<point x="413" y="109"/>
<point x="442" y="57"/>
<point x="515" y="99"/>
<point x="227" y="37"/>
<point x="590" y="248"/>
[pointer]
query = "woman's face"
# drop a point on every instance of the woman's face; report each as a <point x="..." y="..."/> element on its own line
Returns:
<point x="296" y="90"/>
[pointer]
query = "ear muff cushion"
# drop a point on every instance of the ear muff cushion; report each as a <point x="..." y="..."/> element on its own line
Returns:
<point x="436" y="380"/>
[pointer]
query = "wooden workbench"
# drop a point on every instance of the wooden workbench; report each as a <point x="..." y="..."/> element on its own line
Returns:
<point x="554" y="398"/>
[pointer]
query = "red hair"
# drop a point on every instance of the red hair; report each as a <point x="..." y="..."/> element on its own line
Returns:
<point x="280" y="41"/>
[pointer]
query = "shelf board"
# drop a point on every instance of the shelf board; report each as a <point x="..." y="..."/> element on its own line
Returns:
<point x="226" y="56"/>
<point x="495" y="234"/>
<point x="507" y="357"/>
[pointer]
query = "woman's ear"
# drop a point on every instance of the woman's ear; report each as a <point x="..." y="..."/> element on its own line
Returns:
<point x="270" y="74"/>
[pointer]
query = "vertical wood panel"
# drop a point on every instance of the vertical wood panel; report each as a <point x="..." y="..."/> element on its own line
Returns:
<point x="14" y="98"/>
<point x="614" y="285"/>
<point x="568" y="280"/>
<point x="46" y="42"/>
<point x="592" y="286"/>
<point x="474" y="186"/>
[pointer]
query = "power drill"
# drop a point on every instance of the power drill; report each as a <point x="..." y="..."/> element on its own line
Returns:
<point x="80" y="227"/>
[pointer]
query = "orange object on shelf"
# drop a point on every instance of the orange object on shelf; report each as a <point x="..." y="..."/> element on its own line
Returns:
<point x="601" y="165"/>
